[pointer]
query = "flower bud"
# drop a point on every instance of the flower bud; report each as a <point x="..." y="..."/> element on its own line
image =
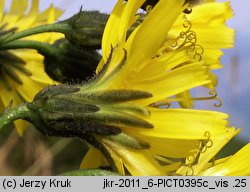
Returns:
<point x="68" y="111"/>
<point x="70" y="64"/>
<point x="86" y="28"/>
<point x="66" y="118"/>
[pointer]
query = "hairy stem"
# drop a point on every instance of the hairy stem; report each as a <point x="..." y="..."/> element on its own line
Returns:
<point x="10" y="115"/>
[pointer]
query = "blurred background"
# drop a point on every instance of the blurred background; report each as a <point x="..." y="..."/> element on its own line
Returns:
<point x="35" y="154"/>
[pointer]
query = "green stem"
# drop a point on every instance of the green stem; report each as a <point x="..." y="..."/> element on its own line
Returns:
<point x="55" y="27"/>
<point x="10" y="115"/>
<point x="43" y="48"/>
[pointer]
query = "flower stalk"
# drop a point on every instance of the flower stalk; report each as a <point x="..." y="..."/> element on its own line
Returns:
<point x="83" y="29"/>
<point x="56" y="27"/>
<point x="12" y="114"/>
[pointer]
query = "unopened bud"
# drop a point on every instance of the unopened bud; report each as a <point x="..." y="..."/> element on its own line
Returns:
<point x="86" y="28"/>
<point x="70" y="64"/>
<point x="66" y="118"/>
<point x="67" y="110"/>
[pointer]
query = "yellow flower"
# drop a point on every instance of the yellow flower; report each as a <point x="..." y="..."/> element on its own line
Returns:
<point x="22" y="78"/>
<point x="145" y="63"/>
<point x="208" y="31"/>
<point x="209" y="28"/>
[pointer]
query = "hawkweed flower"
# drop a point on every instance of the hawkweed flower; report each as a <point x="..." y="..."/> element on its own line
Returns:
<point x="118" y="113"/>
<point x="151" y="58"/>
<point x="21" y="71"/>
<point x="141" y="76"/>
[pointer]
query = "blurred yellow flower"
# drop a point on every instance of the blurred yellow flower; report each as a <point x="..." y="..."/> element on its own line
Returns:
<point x="21" y="71"/>
<point x="148" y="63"/>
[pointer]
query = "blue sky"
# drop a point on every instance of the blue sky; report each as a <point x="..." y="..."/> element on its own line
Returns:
<point x="102" y="5"/>
<point x="234" y="85"/>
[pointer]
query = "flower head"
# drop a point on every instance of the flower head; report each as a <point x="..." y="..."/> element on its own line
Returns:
<point x="153" y="65"/>
<point x="21" y="71"/>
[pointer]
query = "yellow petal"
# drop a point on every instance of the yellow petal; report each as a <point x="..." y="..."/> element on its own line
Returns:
<point x="6" y="96"/>
<point x="29" y="88"/>
<point x="171" y="83"/>
<point x="127" y="17"/>
<point x="2" y="9"/>
<point x="173" y="148"/>
<point x="217" y="145"/>
<point x="202" y="13"/>
<point x="159" y="66"/>
<point x="210" y="29"/>
<point x="214" y="37"/>
<point x="120" y="20"/>
<point x="21" y="126"/>
<point x="134" y="159"/>
<point x="18" y="7"/>
<point x="184" y="124"/>
<point x="237" y="165"/>
<point x="34" y="9"/>
<point x="93" y="159"/>
<point x="212" y="58"/>
<point x="46" y="15"/>
<point x="214" y="81"/>
<point x="111" y="27"/>
<point x="118" y="161"/>
<point x="28" y="55"/>
<point x="1" y="106"/>
<point x="208" y="152"/>
<point x="187" y="102"/>
<point x="152" y="33"/>
<point x="34" y="64"/>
